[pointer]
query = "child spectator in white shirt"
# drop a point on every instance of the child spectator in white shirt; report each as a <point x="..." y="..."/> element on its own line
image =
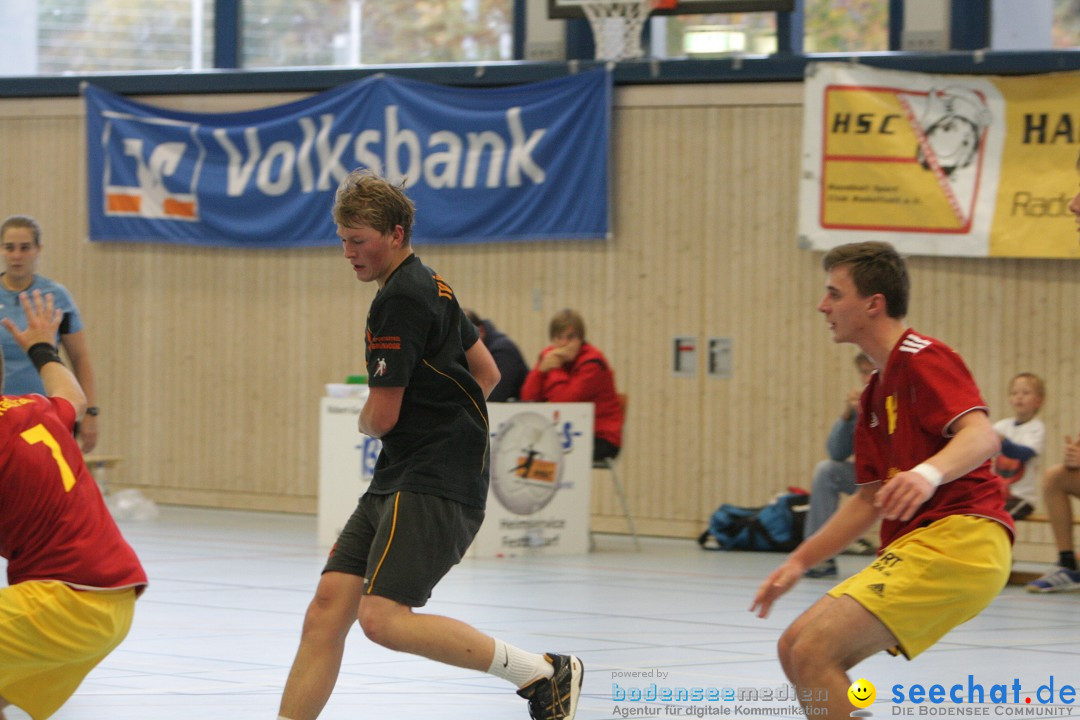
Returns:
<point x="1023" y="439"/>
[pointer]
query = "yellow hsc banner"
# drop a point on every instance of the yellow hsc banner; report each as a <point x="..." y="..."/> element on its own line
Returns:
<point x="939" y="164"/>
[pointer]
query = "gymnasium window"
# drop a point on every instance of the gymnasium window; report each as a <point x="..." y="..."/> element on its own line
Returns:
<point x="830" y="26"/>
<point x="91" y="36"/>
<point x="88" y="36"/>
<point x="280" y="33"/>
<point x="1065" y="32"/>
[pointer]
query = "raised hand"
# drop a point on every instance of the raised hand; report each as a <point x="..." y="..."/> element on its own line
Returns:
<point x="42" y="320"/>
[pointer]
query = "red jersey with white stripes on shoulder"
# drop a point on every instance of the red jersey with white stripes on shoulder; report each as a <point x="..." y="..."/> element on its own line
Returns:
<point x="54" y="524"/>
<point x="906" y="416"/>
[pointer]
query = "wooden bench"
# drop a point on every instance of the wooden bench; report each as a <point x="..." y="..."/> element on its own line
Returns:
<point x="99" y="465"/>
<point x="1034" y="545"/>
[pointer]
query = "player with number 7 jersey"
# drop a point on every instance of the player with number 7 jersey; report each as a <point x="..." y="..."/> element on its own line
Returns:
<point x="54" y="524"/>
<point x="72" y="578"/>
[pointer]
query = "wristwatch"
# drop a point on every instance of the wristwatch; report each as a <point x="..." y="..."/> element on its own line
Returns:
<point x="93" y="410"/>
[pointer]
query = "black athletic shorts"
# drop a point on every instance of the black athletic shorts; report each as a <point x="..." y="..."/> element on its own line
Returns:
<point x="403" y="544"/>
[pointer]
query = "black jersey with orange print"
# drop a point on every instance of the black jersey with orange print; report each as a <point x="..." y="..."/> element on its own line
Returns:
<point x="416" y="338"/>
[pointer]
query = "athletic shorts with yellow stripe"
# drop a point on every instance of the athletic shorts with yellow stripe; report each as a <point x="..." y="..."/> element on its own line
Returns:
<point x="51" y="636"/>
<point x="403" y="544"/>
<point x="932" y="579"/>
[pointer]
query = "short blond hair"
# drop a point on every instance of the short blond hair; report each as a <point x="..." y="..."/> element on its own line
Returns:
<point x="364" y="199"/>
<point x="1036" y="382"/>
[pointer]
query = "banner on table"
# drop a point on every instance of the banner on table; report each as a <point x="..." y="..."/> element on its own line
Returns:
<point x="974" y="166"/>
<point x="528" y="162"/>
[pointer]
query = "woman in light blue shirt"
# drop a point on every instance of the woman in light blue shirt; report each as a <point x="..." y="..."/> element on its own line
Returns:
<point x="20" y="243"/>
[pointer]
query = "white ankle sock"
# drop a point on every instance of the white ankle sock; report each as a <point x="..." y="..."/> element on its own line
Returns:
<point x="517" y="666"/>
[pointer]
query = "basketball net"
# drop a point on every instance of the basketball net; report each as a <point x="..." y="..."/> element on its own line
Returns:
<point x="617" y="24"/>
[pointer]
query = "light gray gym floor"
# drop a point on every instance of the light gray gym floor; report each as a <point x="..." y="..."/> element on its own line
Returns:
<point x="216" y="632"/>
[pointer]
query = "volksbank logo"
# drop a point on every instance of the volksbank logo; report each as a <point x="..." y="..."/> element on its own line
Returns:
<point x="153" y="166"/>
<point x="148" y="179"/>
<point x="317" y="160"/>
<point x="503" y="164"/>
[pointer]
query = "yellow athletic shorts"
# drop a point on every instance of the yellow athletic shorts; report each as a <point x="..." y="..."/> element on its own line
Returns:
<point x="932" y="579"/>
<point x="52" y="637"/>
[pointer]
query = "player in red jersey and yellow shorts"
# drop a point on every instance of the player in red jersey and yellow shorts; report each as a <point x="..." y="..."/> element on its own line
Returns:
<point x="72" y="578"/>
<point x="922" y="448"/>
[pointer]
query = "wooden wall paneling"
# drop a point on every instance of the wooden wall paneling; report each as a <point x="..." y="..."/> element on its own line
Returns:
<point x="718" y="312"/>
<point x="210" y="362"/>
<point x="631" y="315"/>
<point x="678" y="237"/>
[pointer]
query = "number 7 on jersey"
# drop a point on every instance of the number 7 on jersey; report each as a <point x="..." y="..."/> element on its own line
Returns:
<point x="39" y="434"/>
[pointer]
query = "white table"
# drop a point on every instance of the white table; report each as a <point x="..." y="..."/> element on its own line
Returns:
<point x="541" y="470"/>
<point x="346" y="463"/>
<point x="538" y="501"/>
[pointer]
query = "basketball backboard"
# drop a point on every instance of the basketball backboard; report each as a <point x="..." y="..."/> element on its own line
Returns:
<point x="566" y="9"/>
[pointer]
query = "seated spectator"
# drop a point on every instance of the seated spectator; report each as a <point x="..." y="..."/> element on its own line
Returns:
<point x="572" y="370"/>
<point x="1060" y="484"/>
<point x="836" y="475"/>
<point x="1023" y="438"/>
<point x="508" y="359"/>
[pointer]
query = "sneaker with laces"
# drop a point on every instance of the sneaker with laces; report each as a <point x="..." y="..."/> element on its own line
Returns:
<point x="556" y="697"/>
<point x="826" y="569"/>
<point x="862" y="546"/>
<point x="1057" y="580"/>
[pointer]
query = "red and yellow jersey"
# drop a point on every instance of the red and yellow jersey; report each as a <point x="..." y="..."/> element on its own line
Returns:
<point x="906" y="416"/>
<point x="54" y="524"/>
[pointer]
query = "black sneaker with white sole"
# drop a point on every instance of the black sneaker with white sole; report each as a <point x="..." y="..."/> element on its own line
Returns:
<point x="862" y="546"/>
<point x="826" y="570"/>
<point x="556" y="698"/>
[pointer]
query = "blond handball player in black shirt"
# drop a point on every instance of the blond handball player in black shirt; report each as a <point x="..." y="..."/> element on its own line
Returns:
<point x="428" y="375"/>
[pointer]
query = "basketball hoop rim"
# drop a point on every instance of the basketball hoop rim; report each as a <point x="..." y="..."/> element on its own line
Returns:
<point x="617" y="26"/>
<point x="653" y="4"/>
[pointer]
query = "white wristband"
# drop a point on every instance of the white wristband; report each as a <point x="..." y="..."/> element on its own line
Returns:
<point x="931" y="473"/>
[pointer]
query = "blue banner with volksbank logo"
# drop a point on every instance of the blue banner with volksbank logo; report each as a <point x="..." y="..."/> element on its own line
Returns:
<point x="528" y="162"/>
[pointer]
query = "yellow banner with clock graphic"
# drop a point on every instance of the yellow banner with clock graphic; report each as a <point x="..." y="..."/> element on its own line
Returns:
<point x="980" y="166"/>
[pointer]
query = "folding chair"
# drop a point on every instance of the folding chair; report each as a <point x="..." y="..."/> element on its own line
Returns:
<point x="610" y="464"/>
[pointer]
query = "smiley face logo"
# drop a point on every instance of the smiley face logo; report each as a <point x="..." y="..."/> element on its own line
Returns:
<point x="862" y="693"/>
